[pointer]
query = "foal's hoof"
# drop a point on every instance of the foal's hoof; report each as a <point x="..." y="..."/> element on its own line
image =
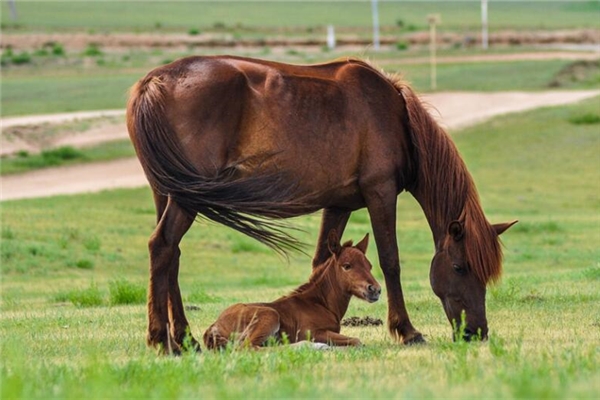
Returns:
<point x="413" y="339"/>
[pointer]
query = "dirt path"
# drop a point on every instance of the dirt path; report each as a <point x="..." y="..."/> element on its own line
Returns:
<point x="454" y="110"/>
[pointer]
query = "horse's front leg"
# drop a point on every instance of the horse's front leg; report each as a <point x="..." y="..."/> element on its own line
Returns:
<point x="164" y="303"/>
<point x="381" y="203"/>
<point x="335" y="339"/>
<point x="332" y="218"/>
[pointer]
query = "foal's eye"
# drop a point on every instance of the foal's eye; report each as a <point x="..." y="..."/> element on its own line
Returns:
<point x="346" y="266"/>
<point x="459" y="269"/>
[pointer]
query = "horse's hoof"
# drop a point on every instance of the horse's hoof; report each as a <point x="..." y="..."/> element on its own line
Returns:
<point x="191" y="345"/>
<point x="416" y="338"/>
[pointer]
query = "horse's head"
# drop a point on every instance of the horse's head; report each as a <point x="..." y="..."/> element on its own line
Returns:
<point x="459" y="279"/>
<point x="352" y="269"/>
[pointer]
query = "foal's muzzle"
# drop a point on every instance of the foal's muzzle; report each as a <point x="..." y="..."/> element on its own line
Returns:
<point x="373" y="293"/>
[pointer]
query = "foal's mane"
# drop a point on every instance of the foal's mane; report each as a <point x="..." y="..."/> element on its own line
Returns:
<point x="319" y="272"/>
<point x="447" y="189"/>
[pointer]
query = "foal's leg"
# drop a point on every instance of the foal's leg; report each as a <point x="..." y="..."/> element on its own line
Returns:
<point x="164" y="300"/>
<point x="335" y="339"/>
<point x="333" y="218"/>
<point x="264" y="323"/>
<point x="381" y="203"/>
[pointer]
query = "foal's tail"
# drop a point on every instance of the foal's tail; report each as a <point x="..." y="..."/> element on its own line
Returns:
<point x="248" y="204"/>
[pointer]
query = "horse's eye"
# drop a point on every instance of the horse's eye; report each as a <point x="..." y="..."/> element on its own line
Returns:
<point x="459" y="269"/>
<point x="346" y="266"/>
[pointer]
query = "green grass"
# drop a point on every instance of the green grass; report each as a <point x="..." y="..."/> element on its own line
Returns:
<point x="62" y="336"/>
<point x="102" y="16"/>
<point x="38" y="92"/>
<point x="487" y="76"/>
<point x="32" y="90"/>
<point x="62" y="156"/>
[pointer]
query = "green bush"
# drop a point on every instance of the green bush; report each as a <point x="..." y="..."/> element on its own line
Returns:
<point x="122" y="291"/>
<point x="64" y="153"/>
<point x="585" y="119"/>
<point x="90" y="297"/>
<point x="84" y="264"/>
<point x="58" y="49"/>
<point x="21" y="58"/>
<point x="92" y="50"/>
<point x="402" y="45"/>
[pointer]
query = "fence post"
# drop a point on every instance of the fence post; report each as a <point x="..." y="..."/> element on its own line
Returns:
<point x="433" y="20"/>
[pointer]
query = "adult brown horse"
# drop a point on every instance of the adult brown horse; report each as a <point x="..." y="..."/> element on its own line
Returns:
<point x="313" y="311"/>
<point x="244" y="142"/>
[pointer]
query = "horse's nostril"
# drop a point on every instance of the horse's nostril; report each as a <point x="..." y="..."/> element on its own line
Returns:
<point x="374" y="290"/>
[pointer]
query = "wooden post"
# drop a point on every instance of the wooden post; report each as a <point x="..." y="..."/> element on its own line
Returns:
<point x="330" y="37"/>
<point x="484" y="24"/>
<point x="375" y="12"/>
<point x="13" y="9"/>
<point x="433" y="20"/>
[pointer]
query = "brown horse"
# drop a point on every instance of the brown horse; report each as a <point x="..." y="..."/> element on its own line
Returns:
<point x="313" y="311"/>
<point x="244" y="142"/>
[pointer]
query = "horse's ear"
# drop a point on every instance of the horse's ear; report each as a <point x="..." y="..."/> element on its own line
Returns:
<point x="456" y="230"/>
<point x="333" y="243"/>
<point x="500" y="228"/>
<point x="363" y="244"/>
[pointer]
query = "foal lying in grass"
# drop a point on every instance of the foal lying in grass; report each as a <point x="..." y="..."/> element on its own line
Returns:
<point x="311" y="312"/>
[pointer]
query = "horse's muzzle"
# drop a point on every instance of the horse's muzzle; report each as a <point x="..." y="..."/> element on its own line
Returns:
<point x="469" y="335"/>
<point x="373" y="292"/>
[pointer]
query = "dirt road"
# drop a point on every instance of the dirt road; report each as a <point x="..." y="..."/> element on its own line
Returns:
<point x="453" y="110"/>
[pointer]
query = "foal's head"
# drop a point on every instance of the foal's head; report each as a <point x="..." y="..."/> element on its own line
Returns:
<point x="351" y="270"/>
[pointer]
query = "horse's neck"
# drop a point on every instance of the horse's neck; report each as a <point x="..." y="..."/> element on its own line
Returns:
<point x="325" y="292"/>
<point x="444" y="188"/>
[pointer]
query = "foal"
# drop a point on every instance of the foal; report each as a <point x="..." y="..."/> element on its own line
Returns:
<point x="312" y="311"/>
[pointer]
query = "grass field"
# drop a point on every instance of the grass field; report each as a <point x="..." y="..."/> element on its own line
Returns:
<point x="142" y="16"/>
<point x="34" y="90"/>
<point x="73" y="320"/>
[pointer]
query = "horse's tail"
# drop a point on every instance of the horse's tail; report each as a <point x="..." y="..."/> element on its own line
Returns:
<point x="214" y="340"/>
<point x="247" y="205"/>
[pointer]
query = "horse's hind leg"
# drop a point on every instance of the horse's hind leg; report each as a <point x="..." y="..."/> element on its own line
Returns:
<point x="381" y="203"/>
<point x="164" y="300"/>
<point x="177" y="320"/>
<point x="333" y="218"/>
<point x="180" y="327"/>
<point x="263" y="324"/>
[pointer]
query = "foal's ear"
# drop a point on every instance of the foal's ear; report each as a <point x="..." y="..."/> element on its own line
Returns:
<point x="363" y="244"/>
<point x="456" y="230"/>
<point x="500" y="228"/>
<point x="333" y="243"/>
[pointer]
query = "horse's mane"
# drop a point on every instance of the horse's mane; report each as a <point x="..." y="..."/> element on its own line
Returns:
<point x="450" y="191"/>
<point x="318" y="273"/>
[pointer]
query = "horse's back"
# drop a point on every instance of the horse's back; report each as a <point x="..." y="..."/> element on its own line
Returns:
<point x="331" y="128"/>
